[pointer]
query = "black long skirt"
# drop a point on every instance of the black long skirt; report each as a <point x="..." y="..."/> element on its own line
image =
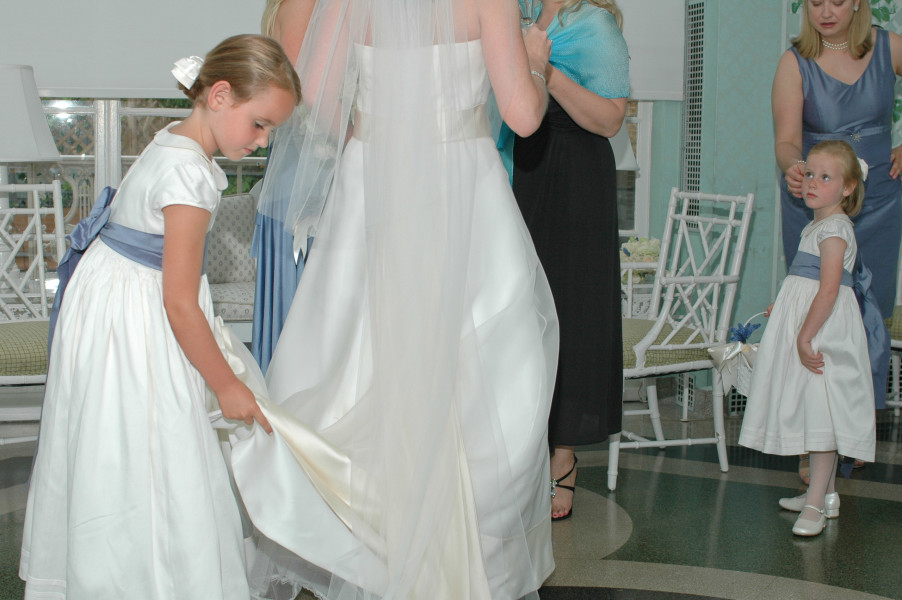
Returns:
<point x="565" y="182"/>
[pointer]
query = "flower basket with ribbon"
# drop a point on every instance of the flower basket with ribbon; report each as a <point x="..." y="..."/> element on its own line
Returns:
<point x="736" y="359"/>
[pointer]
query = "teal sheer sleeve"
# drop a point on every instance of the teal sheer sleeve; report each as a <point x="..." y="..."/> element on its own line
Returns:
<point x="589" y="49"/>
<point x="503" y="136"/>
<point x="505" y="143"/>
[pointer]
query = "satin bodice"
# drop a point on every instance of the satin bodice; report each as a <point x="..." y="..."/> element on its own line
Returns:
<point x="463" y="60"/>
<point x="860" y="113"/>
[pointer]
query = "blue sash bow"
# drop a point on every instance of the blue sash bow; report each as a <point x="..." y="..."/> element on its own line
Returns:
<point x="809" y="266"/>
<point x="139" y="246"/>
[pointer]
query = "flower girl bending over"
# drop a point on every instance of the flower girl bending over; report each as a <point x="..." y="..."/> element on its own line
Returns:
<point x="130" y="496"/>
<point x="812" y="390"/>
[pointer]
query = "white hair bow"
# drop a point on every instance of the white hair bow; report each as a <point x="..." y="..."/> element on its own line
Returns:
<point x="187" y="69"/>
<point x="864" y="169"/>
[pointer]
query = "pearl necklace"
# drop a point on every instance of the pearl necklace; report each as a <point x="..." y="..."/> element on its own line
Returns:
<point x="832" y="46"/>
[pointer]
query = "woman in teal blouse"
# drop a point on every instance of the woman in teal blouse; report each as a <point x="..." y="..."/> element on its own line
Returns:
<point x="565" y="181"/>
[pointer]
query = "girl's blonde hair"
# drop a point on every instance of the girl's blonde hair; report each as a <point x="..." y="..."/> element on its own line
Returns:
<point x="851" y="172"/>
<point x="268" y="22"/>
<point x="809" y="43"/>
<point x="249" y="63"/>
<point x="608" y="5"/>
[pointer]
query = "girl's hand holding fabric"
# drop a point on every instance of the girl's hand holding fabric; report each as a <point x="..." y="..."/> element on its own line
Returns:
<point x="811" y="360"/>
<point x="183" y="251"/>
<point x="237" y="402"/>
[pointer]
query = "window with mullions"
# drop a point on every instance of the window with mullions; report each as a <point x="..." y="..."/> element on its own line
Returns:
<point x="140" y="119"/>
<point x="99" y="140"/>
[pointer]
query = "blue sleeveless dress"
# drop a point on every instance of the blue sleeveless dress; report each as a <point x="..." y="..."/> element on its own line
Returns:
<point x="860" y="114"/>
<point x="278" y="273"/>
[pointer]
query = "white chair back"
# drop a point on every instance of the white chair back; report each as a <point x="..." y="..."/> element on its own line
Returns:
<point x="698" y="271"/>
<point x="29" y="236"/>
<point x="636" y="285"/>
<point x="82" y="203"/>
<point x="32" y="238"/>
<point x="690" y="310"/>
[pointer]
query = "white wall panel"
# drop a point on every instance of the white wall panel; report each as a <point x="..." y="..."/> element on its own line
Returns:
<point x="655" y="31"/>
<point x="125" y="48"/>
<point x="116" y="48"/>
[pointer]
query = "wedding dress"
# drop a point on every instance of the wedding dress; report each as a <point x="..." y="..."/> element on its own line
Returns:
<point x="411" y="384"/>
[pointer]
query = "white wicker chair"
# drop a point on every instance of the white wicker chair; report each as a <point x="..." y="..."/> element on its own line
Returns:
<point x="692" y="302"/>
<point x="636" y="288"/>
<point x="27" y="236"/>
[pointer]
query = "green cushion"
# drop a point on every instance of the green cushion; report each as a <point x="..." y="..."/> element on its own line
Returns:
<point x="895" y="324"/>
<point x="23" y="348"/>
<point x="636" y="329"/>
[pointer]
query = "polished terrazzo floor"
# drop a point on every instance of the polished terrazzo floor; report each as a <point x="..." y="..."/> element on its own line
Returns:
<point x="676" y="528"/>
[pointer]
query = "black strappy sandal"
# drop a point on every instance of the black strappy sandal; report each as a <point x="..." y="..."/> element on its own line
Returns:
<point x="572" y="488"/>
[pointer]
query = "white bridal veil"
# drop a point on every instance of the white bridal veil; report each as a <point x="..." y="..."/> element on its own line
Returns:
<point x="397" y="470"/>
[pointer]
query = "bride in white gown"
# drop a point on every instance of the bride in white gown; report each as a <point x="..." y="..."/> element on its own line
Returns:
<point x="414" y="373"/>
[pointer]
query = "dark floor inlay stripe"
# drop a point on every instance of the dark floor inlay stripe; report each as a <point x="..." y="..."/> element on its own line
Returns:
<point x="739" y="456"/>
<point x="14" y="471"/>
<point x="736" y="455"/>
<point x="596" y="593"/>
<point x="11" y="525"/>
<point x="737" y="526"/>
<point x="889" y="429"/>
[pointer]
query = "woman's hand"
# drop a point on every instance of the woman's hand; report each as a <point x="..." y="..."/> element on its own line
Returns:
<point x="794" y="176"/>
<point x="895" y="159"/>
<point x="237" y="403"/>
<point x="538" y="48"/>
<point x="811" y="360"/>
<point x="769" y="310"/>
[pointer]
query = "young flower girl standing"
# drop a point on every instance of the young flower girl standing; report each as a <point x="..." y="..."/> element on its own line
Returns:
<point x="812" y="390"/>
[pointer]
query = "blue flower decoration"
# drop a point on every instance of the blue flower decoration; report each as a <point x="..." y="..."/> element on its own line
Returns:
<point x="742" y="332"/>
<point x="625" y="251"/>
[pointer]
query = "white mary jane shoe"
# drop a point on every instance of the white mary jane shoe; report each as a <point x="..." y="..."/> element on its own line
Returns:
<point x="831" y="504"/>
<point x="808" y="528"/>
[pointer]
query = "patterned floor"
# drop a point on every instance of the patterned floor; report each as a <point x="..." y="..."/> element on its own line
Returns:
<point x="676" y="528"/>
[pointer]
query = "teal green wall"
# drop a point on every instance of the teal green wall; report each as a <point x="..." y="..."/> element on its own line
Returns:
<point x="666" y="140"/>
<point x="743" y="42"/>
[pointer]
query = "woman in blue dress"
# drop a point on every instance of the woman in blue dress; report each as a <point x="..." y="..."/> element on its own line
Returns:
<point x="837" y="82"/>
<point x="278" y="269"/>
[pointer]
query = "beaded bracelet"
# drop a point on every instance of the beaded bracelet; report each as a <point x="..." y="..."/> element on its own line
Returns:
<point x="539" y="75"/>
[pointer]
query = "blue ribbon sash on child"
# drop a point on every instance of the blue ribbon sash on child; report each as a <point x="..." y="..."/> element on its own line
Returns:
<point x="139" y="246"/>
<point x="809" y="266"/>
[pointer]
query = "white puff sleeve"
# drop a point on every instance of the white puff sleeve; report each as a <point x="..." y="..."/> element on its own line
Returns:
<point x="841" y="228"/>
<point x="188" y="184"/>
